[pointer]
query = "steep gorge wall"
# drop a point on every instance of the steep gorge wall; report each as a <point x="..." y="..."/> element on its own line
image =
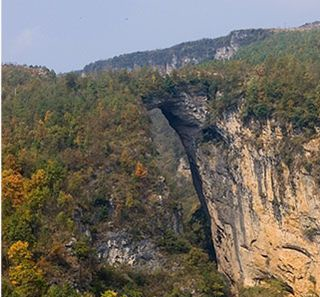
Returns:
<point x="260" y="210"/>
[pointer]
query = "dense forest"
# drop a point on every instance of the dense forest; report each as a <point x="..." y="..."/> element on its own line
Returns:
<point x="79" y="160"/>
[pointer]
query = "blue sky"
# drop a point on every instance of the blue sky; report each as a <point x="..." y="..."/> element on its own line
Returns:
<point x="65" y="35"/>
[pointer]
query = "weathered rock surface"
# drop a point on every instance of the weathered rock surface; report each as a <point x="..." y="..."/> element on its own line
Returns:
<point x="261" y="211"/>
<point x="120" y="248"/>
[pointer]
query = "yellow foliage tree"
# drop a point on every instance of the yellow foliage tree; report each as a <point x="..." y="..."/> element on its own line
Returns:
<point x="109" y="293"/>
<point x="19" y="252"/>
<point x="38" y="179"/>
<point x="48" y="116"/>
<point x="24" y="275"/>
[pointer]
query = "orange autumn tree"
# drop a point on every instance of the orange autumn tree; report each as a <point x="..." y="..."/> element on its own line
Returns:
<point x="140" y="170"/>
<point x="13" y="187"/>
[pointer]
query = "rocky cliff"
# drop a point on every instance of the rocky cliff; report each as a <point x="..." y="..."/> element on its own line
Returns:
<point x="264" y="212"/>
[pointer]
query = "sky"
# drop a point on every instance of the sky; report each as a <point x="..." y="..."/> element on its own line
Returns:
<point x="65" y="35"/>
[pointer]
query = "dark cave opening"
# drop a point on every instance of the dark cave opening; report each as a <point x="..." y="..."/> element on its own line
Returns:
<point x="187" y="132"/>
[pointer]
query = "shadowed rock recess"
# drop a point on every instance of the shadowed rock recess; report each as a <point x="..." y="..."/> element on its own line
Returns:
<point x="260" y="210"/>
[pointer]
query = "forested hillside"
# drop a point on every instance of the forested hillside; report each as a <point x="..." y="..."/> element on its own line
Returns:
<point x="303" y="45"/>
<point x="78" y="162"/>
<point x="89" y="208"/>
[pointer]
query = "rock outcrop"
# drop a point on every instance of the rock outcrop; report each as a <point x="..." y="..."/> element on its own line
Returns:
<point x="264" y="214"/>
<point x="193" y="52"/>
<point x="119" y="248"/>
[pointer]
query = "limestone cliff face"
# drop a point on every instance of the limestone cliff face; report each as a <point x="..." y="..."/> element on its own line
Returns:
<point x="260" y="209"/>
<point x="264" y="215"/>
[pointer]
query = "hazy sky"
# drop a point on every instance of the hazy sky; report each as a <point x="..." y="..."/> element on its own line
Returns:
<point x="68" y="34"/>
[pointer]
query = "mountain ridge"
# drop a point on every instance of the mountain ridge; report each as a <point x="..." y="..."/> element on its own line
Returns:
<point x="185" y="53"/>
<point x="190" y="52"/>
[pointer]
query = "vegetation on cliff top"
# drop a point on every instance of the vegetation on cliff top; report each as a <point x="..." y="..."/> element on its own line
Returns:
<point x="278" y="78"/>
<point x="303" y="45"/>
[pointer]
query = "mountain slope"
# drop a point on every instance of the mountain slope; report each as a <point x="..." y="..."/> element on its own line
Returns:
<point x="303" y="44"/>
<point x="91" y="209"/>
<point x="86" y="207"/>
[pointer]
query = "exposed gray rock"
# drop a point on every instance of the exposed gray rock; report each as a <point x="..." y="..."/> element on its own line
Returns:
<point x="120" y="248"/>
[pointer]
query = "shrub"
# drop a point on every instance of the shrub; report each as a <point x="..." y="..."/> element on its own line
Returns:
<point x="272" y="288"/>
<point x="82" y="249"/>
<point x="109" y="293"/>
<point x="62" y="291"/>
<point x="173" y="243"/>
